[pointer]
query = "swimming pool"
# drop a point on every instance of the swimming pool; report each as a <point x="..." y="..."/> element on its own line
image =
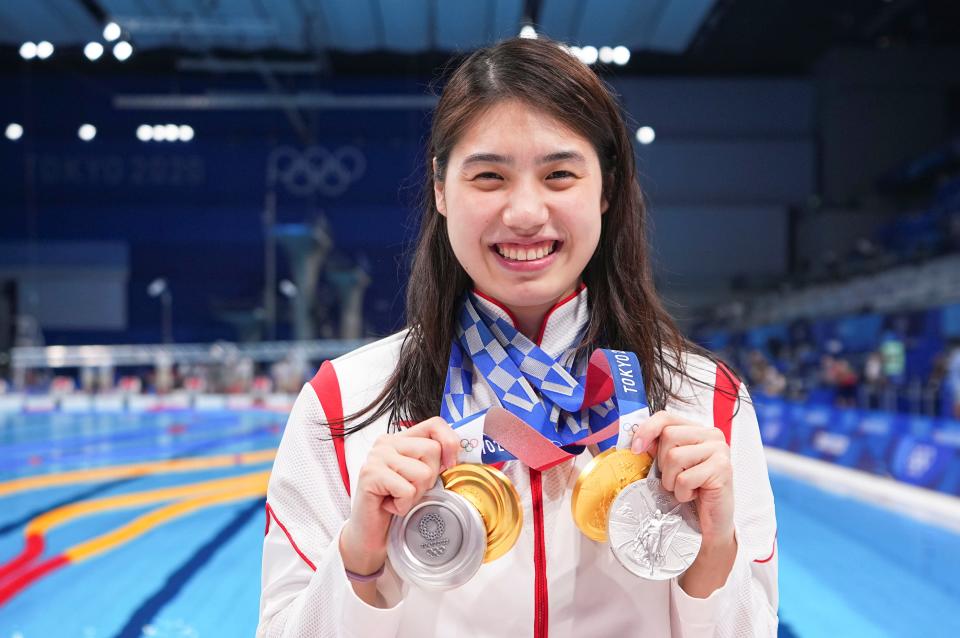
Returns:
<point x="151" y="524"/>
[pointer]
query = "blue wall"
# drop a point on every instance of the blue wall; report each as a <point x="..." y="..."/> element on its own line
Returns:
<point x="192" y="212"/>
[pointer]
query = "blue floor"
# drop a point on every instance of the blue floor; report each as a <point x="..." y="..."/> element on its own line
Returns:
<point x="846" y="568"/>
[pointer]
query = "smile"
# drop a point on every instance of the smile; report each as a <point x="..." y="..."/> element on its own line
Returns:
<point x="530" y="252"/>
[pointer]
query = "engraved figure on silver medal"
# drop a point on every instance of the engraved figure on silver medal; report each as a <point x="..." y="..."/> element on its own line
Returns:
<point x="651" y="533"/>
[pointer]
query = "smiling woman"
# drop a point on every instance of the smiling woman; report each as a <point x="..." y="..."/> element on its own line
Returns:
<point x="524" y="217"/>
<point x="535" y="350"/>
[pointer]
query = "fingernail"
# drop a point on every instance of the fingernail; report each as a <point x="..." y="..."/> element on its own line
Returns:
<point x="639" y="445"/>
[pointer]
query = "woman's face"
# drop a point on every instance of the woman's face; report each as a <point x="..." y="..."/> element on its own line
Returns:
<point x="523" y="199"/>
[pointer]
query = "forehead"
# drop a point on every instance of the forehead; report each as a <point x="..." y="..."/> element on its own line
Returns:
<point x="517" y="129"/>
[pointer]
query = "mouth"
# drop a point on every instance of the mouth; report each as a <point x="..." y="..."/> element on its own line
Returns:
<point x="519" y="253"/>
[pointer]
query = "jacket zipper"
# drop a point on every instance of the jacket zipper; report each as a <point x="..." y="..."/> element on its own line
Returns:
<point x="540" y="609"/>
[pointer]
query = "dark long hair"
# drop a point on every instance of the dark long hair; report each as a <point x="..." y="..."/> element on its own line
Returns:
<point x="625" y="310"/>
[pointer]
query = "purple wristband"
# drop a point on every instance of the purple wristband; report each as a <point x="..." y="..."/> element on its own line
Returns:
<point x="361" y="578"/>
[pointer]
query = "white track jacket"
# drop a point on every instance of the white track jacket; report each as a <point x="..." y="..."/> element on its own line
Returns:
<point x="554" y="581"/>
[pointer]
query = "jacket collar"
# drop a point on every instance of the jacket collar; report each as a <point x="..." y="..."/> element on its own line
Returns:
<point x="561" y="327"/>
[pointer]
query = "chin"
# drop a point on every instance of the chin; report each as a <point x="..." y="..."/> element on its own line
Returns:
<point x="534" y="293"/>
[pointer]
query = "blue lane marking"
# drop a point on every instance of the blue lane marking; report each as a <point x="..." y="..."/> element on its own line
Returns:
<point x="207" y="445"/>
<point x="109" y="453"/>
<point x="154" y="604"/>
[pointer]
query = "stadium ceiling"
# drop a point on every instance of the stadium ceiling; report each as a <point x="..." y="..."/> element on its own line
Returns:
<point x="389" y="36"/>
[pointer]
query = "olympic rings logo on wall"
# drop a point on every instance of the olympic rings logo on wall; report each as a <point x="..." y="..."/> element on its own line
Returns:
<point x="315" y="169"/>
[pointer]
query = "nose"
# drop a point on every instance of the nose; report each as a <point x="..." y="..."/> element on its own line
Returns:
<point x="526" y="210"/>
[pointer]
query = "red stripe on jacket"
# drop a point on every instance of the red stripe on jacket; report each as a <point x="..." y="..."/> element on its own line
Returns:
<point x="327" y="387"/>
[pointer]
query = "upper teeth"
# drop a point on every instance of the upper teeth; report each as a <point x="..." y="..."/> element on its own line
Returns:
<point x="526" y="253"/>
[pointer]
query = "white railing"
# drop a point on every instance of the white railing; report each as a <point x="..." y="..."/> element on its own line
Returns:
<point x="53" y="357"/>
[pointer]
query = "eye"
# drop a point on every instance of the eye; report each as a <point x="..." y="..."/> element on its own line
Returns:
<point x="560" y="175"/>
<point x="487" y="175"/>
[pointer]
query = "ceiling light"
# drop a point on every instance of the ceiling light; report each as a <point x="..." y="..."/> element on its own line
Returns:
<point x="646" y="135"/>
<point x="44" y="50"/>
<point x="28" y="50"/>
<point x="621" y="55"/>
<point x="122" y="50"/>
<point x="14" y="131"/>
<point x="111" y="32"/>
<point x="93" y="51"/>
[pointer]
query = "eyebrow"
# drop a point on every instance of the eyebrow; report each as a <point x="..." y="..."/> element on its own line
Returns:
<point x="494" y="158"/>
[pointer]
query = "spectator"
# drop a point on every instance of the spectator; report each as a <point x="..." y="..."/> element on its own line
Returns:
<point x="873" y="378"/>
<point x="953" y="376"/>
<point x="894" y="357"/>
<point x="838" y="374"/>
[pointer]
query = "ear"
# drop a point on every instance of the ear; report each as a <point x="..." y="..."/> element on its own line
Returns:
<point x="438" y="191"/>
<point x="605" y="188"/>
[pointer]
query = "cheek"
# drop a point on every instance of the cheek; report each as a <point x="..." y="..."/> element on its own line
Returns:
<point x="465" y="228"/>
<point x="469" y="215"/>
<point x="584" y="227"/>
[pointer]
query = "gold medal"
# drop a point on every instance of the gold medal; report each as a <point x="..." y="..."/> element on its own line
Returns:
<point x="599" y="483"/>
<point x="491" y="492"/>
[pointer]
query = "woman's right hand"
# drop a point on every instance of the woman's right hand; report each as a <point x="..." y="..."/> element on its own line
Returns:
<point x="398" y="470"/>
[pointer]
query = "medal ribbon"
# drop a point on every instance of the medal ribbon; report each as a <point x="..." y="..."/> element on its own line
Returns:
<point x="543" y="405"/>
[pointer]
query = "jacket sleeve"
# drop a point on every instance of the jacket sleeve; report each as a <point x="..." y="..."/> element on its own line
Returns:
<point x="746" y="605"/>
<point x="304" y="589"/>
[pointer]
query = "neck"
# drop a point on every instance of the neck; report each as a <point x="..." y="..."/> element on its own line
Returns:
<point x="529" y="319"/>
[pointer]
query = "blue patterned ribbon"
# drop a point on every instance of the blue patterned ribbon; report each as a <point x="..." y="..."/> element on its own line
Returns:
<point x="535" y="387"/>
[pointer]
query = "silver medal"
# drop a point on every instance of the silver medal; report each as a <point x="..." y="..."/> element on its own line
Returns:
<point x="651" y="533"/>
<point x="440" y="543"/>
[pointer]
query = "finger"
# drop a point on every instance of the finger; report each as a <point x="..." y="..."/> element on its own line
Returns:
<point x="690" y="481"/>
<point x="422" y="428"/>
<point x="676" y="459"/>
<point x="391" y="485"/>
<point x="390" y="506"/>
<point x="439" y="430"/>
<point x="420" y="448"/>
<point x="649" y="430"/>
<point x="677" y="434"/>
<point x="403" y="495"/>
<point x="421" y="475"/>
<point x="684" y="434"/>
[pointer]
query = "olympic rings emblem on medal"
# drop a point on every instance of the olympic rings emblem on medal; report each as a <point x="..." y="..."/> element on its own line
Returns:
<point x="315" y="169"/>
<point x="431" y="526"/>
<point x="631" y="427"/>
<point x="469" y="445"/>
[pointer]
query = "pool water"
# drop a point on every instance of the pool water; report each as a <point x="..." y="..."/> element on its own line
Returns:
<point x="151" y="524"/>
<point x="192" y="570"/>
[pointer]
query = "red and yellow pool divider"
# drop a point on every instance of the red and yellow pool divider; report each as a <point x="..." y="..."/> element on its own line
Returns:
<point x="36" y="529"/>
<point x="133" y="470"/>
<point x="243" y="487"/>
<point x="17" y="574"/>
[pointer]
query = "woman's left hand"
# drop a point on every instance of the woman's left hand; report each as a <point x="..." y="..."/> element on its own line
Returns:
<point x="695" y="465"/>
